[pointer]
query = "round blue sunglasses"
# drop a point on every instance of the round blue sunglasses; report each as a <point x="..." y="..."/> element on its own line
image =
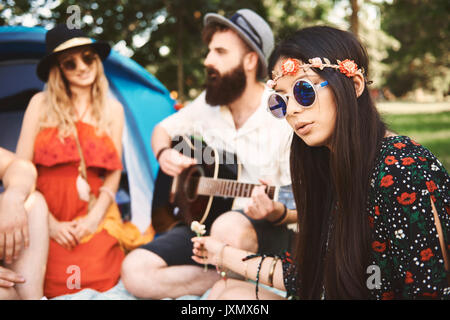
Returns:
<point x="304" y="92"/>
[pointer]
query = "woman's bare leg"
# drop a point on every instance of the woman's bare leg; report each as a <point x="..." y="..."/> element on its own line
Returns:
<point x="33" y="260"/>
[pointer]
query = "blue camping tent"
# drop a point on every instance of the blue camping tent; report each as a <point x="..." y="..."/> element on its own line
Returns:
<point x="146" y="102"/>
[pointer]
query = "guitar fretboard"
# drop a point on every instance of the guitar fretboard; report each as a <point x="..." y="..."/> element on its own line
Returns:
<point x="229" y="188"/>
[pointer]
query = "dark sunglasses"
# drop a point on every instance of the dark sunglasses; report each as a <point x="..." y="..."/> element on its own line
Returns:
<point x="70" y="64"/>
<point x="304" y="92"/>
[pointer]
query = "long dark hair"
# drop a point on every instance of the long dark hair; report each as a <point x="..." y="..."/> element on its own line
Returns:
<point x="331" y="187"/>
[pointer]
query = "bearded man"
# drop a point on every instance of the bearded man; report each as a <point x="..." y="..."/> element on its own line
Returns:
<point x="229" y="115"/>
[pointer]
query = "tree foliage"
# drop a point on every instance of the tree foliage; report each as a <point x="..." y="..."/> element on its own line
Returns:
<point x="409" y="51"/>
<point x="146" y="26"/>
<point x="422" y="60"/>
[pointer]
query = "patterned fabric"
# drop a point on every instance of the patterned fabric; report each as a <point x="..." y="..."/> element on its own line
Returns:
<point x="98" y="151"/>
<point x="290" y="276"/>
<point x="405" y="243"/>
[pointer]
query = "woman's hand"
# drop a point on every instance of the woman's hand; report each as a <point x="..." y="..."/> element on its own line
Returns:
<point x="64" y="233"/>
<point x="85" y="226"/>
<point x="13" y="226"/>
<point x="206" y="250"/>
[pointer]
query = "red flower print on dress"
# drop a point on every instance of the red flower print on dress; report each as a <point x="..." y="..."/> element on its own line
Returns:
<point x="389" y="244"/>
<point x="422" y="159"/>
<point x="415" y="143"/>
<point x="407" y="198"/>
<point x="426" y="254"/>
<point x="390" y="160"/>
<point x="407" y="161"/>
<point x="377" y="210"/>
<point x="387" y="181"/>
<point x="388" y="295"/>
<point x="379" y="246"/>
<point x="399" y="145"/>
<point x="409" y="279"/>
<point x="371" y="221"/>
<point x="431" y="186"/>
<point x="431" y="295"/>
<point x="287" y="257"/>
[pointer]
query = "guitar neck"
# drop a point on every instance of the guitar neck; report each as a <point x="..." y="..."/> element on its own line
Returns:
<point x="229" y="188"/>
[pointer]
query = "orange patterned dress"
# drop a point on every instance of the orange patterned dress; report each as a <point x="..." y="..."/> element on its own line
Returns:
<point x="95" y="263"/>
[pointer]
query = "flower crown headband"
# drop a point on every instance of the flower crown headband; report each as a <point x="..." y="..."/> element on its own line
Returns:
<point x="291" y="66"/>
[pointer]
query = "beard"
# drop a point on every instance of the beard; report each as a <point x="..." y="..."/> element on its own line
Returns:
<point x="224" y="89"/>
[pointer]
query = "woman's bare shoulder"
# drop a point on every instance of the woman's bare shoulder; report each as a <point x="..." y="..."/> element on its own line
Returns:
<point x="114" y="105"/>
<point x="39" y="97"/>
<point x="115" y="109"/>
<point x="38" y="100"/>
<point x="37" y="103"/>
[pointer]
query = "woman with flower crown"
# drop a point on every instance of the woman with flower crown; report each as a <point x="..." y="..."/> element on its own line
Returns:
<point x="72" y="131"/>
<point x="373" y="206"/>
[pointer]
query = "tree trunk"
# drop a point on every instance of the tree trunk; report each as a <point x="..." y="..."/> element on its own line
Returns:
<point x="354" y="22"/>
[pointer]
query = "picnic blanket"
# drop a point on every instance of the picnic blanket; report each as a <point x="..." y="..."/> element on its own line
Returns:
<point x="118" y="292"/>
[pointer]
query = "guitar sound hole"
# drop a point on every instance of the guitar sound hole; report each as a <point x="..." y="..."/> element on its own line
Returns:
<point x="191" y="183"/>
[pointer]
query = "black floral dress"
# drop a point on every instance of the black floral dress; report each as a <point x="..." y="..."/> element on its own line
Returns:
<point x="405" y="243"/>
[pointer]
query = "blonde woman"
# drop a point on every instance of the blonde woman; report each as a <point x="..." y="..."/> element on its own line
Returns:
<point x="72" y="132"/>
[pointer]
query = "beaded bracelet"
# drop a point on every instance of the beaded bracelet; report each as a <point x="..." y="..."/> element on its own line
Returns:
<point x="258" y="271"/>
<point x="263" y="256"/>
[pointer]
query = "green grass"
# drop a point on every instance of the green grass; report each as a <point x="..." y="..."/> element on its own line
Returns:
<point x="432" y="130"/>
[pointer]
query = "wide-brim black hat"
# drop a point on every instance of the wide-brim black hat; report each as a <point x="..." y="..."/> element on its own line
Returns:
<point x="60" y="39"/>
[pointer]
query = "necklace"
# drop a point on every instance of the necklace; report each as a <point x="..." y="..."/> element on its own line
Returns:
<point x="80" y="118"/>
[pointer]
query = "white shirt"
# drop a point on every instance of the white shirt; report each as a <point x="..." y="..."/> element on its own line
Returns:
<point x="262" y="144"/>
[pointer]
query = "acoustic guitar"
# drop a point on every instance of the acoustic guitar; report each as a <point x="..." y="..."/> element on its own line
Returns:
<point x="205" y="190"/>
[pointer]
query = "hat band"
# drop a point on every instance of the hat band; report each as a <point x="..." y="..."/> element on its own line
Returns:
<point x="246" y="27"/>
<point x="74" y="42"/>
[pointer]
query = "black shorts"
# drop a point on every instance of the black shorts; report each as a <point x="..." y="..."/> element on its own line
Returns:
<point x="175" y="246"/>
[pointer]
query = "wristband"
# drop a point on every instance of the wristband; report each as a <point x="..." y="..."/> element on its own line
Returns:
<point x="282" y="217"/>
<point x="158" y="155"/>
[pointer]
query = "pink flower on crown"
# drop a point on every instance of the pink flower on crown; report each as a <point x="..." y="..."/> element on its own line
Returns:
<point x="348" y="67"/>
<point x="290" y="67"/>
<point x="316" y="63"/>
